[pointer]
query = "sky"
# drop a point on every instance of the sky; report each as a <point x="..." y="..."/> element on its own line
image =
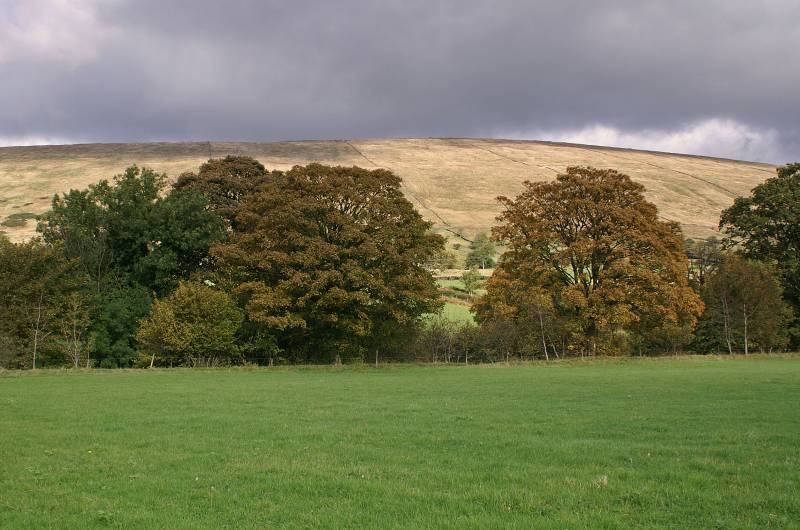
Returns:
<point x="711" y="77"/>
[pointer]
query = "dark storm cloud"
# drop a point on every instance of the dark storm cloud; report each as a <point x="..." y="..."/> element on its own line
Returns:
<point x="677" y="74"/>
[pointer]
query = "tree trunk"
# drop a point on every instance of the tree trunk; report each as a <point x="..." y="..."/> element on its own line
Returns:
<point x="726" y="324"/>
<point x="746" y="346"/>
<point x="544" y="342"/>
<point x="376" y="357"/>
<point x="36" y="329"/>
<point x="76" y="352"/>
<point x="152" y="360"/>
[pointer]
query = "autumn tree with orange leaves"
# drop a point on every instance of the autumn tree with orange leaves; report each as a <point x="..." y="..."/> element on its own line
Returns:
<point x="330" y="261"/>
<point x="589" y="261"/>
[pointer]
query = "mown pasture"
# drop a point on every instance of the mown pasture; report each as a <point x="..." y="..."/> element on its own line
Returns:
<point x="691" y="442"/>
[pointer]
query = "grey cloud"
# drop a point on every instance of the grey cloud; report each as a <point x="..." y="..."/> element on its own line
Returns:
<point x="254" y="70"/>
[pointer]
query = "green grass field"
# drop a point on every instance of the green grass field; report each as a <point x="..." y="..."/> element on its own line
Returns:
<point x="457" y="313"/>
<point x="453" y="284"/>
<point x="666" y="443"/>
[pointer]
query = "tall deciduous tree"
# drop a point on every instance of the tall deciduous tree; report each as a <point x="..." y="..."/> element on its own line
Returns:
<point x="323" y="254"/>
<point x="132" y="238"/>
<point x="593" y="242"/>
<point x="129" y="227"/>
<point x="744" y="300"/>
<point x="74" y="321"/>
<point x="35" y="280"/>
<point x="767" y="226"/>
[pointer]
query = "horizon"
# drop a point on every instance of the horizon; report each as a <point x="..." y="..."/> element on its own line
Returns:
<point x="393" y="138"/>
<point x="704" y="79"/>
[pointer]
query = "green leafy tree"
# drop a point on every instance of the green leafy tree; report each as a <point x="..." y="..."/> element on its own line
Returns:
<point x="77" y="222"/>
<point x="745" y="300"/>
<point x="115" y="319"/>
<point x="591" y="240"/>
<point x="767" y="227"/>
<point x="471" y="280"/>
<point x="74" y="321"/>
<point x="482" y="252"/>
<point x="196" y="326"/>
<point x="35" y="280"/>
<point x="323" y="254"/>
<point x="131" y="238"/>
<point x="129" y="228"/>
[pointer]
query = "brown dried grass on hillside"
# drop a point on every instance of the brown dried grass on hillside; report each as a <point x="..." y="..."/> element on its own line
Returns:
<point x="453" y="182"/>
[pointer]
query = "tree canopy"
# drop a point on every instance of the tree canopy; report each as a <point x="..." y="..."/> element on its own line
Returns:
<point x="320" y="263"/>
<point x="482" y="252"/>
<point x="592" y="242"/>
<point x="129" y="226"/>
<point x="226" y="182"/>
<point x="323" y="255"/>
<point x="745" y="306"/>
<point x="767" y="227"/>
<point x="195" y="325"/>
<point x="37" y="284"/>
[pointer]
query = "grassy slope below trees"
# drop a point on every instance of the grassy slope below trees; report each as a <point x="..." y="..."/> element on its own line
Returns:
<point x="689" y="443"/>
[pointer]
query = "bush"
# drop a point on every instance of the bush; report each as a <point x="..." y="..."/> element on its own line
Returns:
<point x="195" y="326"/>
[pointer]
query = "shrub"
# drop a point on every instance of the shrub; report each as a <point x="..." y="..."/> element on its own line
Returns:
<point x="195" y="326"/>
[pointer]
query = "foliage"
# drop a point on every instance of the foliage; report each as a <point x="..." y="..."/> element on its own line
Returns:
<point x="226" y="183"/>
<point x="482" y="252"/>
<point x="471" y="279"/>
<point x="36" y="281"/>
<point x="127" y="228"/>
<point x="74" y="321"/>
<point x="594" y="246"/>
<point x="114" y="322"/>
<point x="704" y="256"/>
<point x="524" y="315"/>
<point x="767" y="227"/>
<point x="330" y="262"/>
<point x="323" y="254"/>
<point x="744" y="303"/>
<point x="442" y="259"/>
<point x="195" y="325"/>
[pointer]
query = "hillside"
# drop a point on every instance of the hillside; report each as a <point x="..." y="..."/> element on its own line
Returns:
<point x="453" y="182"/>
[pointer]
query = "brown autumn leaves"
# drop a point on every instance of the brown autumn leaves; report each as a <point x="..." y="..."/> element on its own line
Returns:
<point x="591" y="267"/>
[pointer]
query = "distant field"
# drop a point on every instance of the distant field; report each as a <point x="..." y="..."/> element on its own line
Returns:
<point x="457" y="312"/>
<point x="453" y="182"/>
<point x="665" y="443"/>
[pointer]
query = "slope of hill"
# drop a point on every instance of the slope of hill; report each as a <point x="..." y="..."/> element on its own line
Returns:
<point x="453" y="182"/>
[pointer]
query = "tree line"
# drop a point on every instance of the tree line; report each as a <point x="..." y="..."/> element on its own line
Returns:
<point x="236" y="264"/>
